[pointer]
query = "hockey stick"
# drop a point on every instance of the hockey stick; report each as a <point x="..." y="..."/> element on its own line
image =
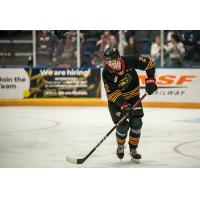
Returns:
<point x="82" y="160"/>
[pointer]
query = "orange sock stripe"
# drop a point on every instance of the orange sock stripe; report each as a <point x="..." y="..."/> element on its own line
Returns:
<point x="120" y="141"/>
<point x="134" y="143"/>
<point x="134" y="140"/>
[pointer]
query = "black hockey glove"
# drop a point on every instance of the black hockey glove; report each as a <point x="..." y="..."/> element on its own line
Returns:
<point x="151" y="86"/>
<point x="126" y="110"/>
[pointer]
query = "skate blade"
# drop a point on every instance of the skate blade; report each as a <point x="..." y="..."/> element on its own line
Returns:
<point x="120" y="160"/>
<point x="137" y="161"/>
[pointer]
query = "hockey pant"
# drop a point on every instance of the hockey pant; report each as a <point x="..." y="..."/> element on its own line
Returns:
<point x="134" y="124"/>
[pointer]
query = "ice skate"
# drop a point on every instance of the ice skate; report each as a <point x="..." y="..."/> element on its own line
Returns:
<point x="135" y="156"/>
<point x="120" y="151"/>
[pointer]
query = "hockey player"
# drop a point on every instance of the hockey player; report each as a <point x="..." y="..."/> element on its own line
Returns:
<point x="121" y="83"/>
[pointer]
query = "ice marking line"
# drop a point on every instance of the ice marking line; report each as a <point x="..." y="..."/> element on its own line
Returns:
<point x="177" y="150"/>
<point x="55" y="124"/>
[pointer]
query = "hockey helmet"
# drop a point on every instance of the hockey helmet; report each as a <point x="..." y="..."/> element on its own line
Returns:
<point x="111" y="53"/>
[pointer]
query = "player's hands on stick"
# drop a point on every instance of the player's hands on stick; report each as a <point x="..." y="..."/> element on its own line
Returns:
<point x="126" y="110"/>
<point x="151" y="86"/>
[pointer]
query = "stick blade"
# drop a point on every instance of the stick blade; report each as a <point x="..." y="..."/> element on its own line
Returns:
<point x="75" y="161"/>
<point x="71" y="160"/>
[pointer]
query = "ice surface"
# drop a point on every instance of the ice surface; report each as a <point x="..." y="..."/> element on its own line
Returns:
<point x="44" y="136"/>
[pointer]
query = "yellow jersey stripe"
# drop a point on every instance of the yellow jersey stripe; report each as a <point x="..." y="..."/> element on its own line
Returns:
<point x="114" y="93"/>
<point x="113" y="96"/>
<point x="131" y="95"/>
<point x="133" y="92"/>
<point x="116" y="97"/>
<point x="150" y="65"/>
<point x="137" y="88"/>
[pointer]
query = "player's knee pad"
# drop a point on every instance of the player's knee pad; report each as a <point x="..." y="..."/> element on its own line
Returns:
<point x="136" y="124"/>
<point x="123" y="128"/>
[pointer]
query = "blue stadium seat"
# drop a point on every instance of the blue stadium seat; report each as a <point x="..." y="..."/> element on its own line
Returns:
<point x="89" y="49"/>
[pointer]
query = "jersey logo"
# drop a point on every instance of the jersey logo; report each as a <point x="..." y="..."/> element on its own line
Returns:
<point x="125" y="82"/>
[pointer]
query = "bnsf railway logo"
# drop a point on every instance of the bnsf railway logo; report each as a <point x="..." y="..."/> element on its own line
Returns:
<point x="171" y="81"/>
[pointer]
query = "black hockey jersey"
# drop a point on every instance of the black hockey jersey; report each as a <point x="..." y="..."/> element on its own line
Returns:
<point x="122" y="87"/>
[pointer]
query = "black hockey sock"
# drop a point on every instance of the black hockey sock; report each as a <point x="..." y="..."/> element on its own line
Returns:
<point x="134" y="138"/>
<point x="120" y="138"/>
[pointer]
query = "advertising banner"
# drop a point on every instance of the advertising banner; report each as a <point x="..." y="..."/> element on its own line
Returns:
<point x="14" y="83"/>
<point x="50" y="83"/>
<point x="70" y="82"/>
<point x="174" y="85"/>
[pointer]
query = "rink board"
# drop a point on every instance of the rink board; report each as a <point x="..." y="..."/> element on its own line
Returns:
<point x="178" y="88"/>
<point x="86" y="102"/>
